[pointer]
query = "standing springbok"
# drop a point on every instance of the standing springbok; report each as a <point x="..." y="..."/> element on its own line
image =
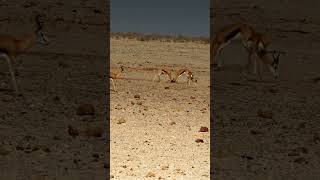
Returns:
<point x="115" y="75"/>
<point x="10" y="47"/>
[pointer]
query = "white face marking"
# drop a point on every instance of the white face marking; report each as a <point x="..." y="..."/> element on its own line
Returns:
<point x="273" y="71"/>
<point x="261" y="46"/>
<point x="238" y="36"/>
<point x="42" y="38"/>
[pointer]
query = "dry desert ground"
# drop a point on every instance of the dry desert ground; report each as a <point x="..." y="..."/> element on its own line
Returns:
<point x="155" y="125"/>
<point x="269" y="129"/>
<point x="55" y="80"/>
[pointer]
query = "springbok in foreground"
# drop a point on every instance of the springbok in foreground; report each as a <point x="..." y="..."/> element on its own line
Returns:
<point x="11" y="47"/>
<point x="255" y="43"/>
<point x="115" y="75"/>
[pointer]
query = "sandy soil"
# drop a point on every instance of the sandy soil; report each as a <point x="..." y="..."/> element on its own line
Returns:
<point x="55" y="80"/>
<point x="153" y="136"/>
<point x="269" y="129"/>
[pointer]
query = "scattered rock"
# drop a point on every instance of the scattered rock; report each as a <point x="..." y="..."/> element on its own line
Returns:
<point x="45" y="149"/>
<point x="56" y="98"/>
<point x="192" y="97"/>
<point x="59" y="19"/>
<point x="95" y="155"/>
<point x="199" y="141"/>
<point x="164" y="167"/>
<point x="263" y="114"/>
<point x="301" y="160"/>
<point x="28" y="149"/>
<point x="293" y="154"/>
<point x="136" y="96"/>
<point x="56" y="138"/>
<point x="316" y="79"/>
<point x="139" y="103"/>
<point x="19" y="148"/>
<point x="29" y="138"/>
<point x="106" y="166"/>
<point x="132" y="103"/>
<point x="298" y="151"/>
<point x="204" y="129"/>
<point x="97" y="11"/>
<point x="246" y="157"/>
<point x="166" y="87"/>
<point x="255" y="132"/>
<point x="72" y="131"/>
<point x="85" y="109"/>
<point x="29" y="4"/>
<point x="172" y="123"/>
<point x="121" y="121"/>
<point x="316" y="138"/>
<point x="302" y="125"/>
<point x="35" y="148"/>
<point x="273" y="90"/>
<point x="151" y="174"/>
<point x="4" y="151"/>
<point x="94" y="131"/>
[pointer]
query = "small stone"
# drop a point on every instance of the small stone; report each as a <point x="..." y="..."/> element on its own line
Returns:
<point x="121" y="121"/>
<point x="300" y="160"/>
<point x="85" y="109"/>
<point x="95" y="155"/>
<point x="151" y="174"/>
<point x="263" y="114"/>
<point x="255" y="132"/>
<point x="199" y="141"/>
<point x="204" y="129"/>
<point x="4" y="151"/>
<point x="46" y="149"/>
<point x="72" y="131"/>
<point x="94" y="131"/>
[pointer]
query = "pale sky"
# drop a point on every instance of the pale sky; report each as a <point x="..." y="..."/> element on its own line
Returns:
<point x="172" y="17"/>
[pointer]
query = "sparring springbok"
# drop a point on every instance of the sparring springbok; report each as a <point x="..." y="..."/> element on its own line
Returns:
<point x="186" y="72"/>
<point x="161" y="72"/>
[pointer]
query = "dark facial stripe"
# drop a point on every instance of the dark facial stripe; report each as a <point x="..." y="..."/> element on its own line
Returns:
<point x="165" y="71"/>
<point x="232" y="34"/>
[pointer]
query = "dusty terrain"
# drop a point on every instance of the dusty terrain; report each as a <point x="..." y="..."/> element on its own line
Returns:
<point x="269" y="129"/>
<point x="55" y="80"/>
<point x="155" y="125"/>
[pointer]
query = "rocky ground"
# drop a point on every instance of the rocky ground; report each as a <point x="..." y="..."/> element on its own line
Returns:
<point x="55" y="80"/>
<point x="269" y="129"/>
<point x="155" y="125"/>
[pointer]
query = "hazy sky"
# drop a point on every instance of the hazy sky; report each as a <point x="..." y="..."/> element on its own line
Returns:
<point x="185" y="17"/>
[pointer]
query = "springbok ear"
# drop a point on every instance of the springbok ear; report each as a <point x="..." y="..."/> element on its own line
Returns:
<point x="261" y="46"/>
<point x="273" y="54"/>
<point x="38" y="21"/>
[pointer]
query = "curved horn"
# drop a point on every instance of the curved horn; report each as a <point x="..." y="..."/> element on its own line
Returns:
<point x="273" y="54"/>
<point x="39" y="23"/>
